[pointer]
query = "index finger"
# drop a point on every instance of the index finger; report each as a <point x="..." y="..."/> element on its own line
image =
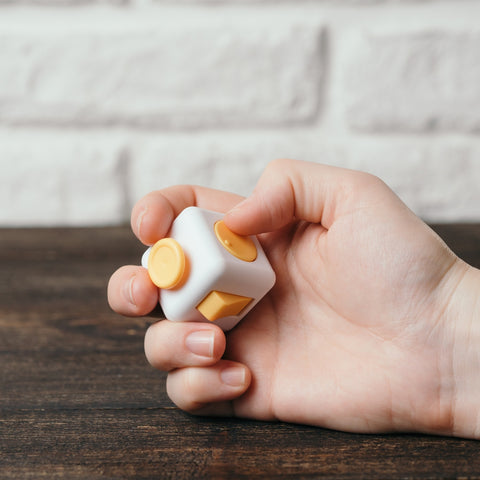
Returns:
<point x="153" y="215"/>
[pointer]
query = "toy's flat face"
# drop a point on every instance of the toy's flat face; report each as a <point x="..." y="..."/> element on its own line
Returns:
<point x="216" y="276"/>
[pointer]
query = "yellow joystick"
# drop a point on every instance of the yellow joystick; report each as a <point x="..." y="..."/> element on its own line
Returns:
<point x="166" y="263"/>
<point x="239" y="246"/>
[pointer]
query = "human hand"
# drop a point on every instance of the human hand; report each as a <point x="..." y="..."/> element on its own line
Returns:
<point x="357" y="332"/>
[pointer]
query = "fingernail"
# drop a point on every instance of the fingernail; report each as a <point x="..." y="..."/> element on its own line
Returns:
<point x="140" y="219"/>
<point x="237" y="208"/>
<point x="128" y="291"/>
<point x="201" y="343"/>
<point x="233" y="376"/>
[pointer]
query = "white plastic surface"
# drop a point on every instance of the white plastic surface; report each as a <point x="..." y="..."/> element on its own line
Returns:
<point x="211" y="267"/>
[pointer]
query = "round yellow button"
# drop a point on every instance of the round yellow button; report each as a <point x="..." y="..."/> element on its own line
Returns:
<point x="239" y="246"/>
<point x="166" y="263"/>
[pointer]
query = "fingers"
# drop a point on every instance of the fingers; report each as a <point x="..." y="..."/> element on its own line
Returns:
<point x="208" y="390"/>
<point x="199" y="380"/>
<point x="153" y="215"/>
<point x="131" y="292"/>
<point x="293" y="190"/>
<point x="170" y="345"/>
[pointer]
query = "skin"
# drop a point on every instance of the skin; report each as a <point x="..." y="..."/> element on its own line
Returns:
<point x="373" y="324"/>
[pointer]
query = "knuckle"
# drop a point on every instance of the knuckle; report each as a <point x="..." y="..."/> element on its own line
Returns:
<point x="279" y="165"/>
<point x="363" y="185"/>
<point x="181" y="389"/>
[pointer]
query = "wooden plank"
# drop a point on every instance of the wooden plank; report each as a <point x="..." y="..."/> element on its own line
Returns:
<point x="78" y="399"/>
<point x="164" y="443"/>
<point x="60" y="344"/>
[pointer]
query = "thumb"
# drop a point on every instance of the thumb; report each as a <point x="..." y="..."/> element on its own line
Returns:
<point x="290" y="190"/>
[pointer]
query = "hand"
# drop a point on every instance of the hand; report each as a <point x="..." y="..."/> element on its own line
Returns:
<point x="357" y="332"/>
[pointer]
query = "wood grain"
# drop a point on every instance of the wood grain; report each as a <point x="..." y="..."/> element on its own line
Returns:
<point x="78" y="400"/>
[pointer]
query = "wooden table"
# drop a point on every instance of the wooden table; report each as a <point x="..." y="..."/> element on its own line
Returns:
<point x="79" y="401"/>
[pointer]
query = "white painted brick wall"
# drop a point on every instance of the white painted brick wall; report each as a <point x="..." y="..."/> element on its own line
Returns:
<point x="102" y="101"/>
<point x="162" y="79"/>
<point x="61" y="178"/>
<point x="415" y="83"/>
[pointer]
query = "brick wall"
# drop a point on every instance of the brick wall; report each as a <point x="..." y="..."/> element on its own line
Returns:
<point x="103" y="101"/>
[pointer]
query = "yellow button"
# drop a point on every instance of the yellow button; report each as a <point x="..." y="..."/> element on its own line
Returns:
<point x="220" y="304"/>
<point x="166" y="263"/>
<point x="239" y="246"/>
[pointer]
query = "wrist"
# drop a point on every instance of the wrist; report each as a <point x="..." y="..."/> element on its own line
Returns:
<point x="462" y="317"/>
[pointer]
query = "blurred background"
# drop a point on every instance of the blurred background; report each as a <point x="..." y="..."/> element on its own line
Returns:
<point x="104" y="101"/>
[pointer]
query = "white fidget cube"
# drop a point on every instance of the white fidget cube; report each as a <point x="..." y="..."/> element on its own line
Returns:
<point x="206" y="272"/>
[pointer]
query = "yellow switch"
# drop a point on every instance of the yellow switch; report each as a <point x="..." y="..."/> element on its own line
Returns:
<point x="220" y="304"/>
<point x="238" y="245"/>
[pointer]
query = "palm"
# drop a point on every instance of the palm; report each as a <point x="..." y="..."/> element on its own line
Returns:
<point x="334" y="344"/>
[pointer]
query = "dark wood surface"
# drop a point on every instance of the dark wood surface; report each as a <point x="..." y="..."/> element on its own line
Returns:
<point x="78" y="399"/>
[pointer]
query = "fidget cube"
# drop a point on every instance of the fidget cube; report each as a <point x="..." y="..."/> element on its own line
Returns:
<point x="206" y="272"/>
